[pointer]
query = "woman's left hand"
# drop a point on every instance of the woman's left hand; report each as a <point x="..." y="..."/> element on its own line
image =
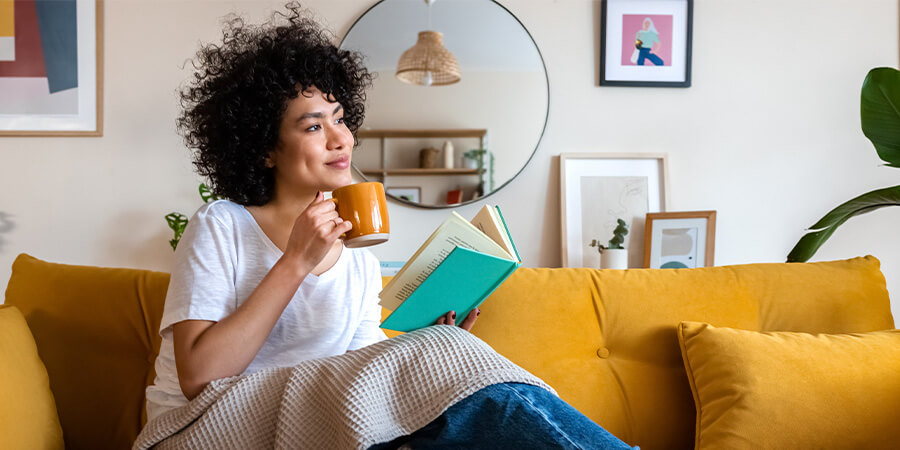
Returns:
<point x="450" y="319"/>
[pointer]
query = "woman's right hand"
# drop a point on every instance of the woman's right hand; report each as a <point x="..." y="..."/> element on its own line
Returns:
<point x="450" y="319"/>
<point x="314" y="233"/>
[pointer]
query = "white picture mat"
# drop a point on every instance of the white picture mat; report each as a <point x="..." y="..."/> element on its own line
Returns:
<point x="700" y="223"/>
<point x="86" y="118"/>
<point x="7" y="48"/>
<point x="614" y="69"/>
<point x="414" y="193"/>
<point x="574" y="168"/>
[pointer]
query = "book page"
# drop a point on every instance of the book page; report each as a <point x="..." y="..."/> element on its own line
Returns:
<point x="454" y="231"/>
<point x="487" y="221"/>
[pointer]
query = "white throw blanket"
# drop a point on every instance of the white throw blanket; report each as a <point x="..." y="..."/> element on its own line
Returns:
<point x="355" y="400"/>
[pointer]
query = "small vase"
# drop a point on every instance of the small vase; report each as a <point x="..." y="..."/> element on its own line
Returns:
<point x="448" y="154"/>
<point x="614" y="258"/>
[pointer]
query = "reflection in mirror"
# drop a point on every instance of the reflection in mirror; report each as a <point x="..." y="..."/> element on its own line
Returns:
<point x="453" y="142"/>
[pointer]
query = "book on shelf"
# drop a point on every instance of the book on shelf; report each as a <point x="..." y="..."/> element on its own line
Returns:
<point x="456" y="268"/>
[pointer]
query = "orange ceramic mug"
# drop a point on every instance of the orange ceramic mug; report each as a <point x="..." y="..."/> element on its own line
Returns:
<point x="365" y="207"/>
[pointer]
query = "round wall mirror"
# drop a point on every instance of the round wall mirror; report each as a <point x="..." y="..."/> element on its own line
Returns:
<point x="453" y="116"/>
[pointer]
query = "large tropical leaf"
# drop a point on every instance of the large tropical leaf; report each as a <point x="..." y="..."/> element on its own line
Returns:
<point x="880" y="112"/>
<point x="824" y="228"/>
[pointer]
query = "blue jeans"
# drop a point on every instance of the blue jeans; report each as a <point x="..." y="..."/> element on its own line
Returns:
<point x="509" y="416"/>
<point x="645" y="54"/>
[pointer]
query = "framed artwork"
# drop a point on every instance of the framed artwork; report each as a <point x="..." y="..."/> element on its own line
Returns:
<point x="646" y="42"/>
<point x="680" y="240"/>
<point x="410" y="194"/>
<point x="51" y="68"/>
<point x="597" y="189"/>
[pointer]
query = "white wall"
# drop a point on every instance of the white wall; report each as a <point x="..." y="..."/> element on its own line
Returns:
<point x="768" y="135"/>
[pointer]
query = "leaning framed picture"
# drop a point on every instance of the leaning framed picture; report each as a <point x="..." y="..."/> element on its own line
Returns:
<point x="646" y="42"/>
<point x="680" y="240"/>
<point x="597" y="189"/>
<point x="411" y="194"/>
<point x="51" y="68"/>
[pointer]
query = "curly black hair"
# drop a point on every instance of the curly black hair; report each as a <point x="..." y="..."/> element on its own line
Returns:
<point x="233" y="106"/>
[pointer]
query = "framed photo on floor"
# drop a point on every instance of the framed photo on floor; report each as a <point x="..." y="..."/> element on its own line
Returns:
<point x="680" y="240"/>
<point x="51" y="68"/>
<point x="646" y="43"/>
<point x="597" y="189"/>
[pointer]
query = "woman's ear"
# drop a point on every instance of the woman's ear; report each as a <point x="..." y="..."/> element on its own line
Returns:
<point x="270" y="163"/>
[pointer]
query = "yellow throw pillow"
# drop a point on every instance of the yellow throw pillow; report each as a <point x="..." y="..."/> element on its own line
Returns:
<point x="28" y="417"/>
<point x="760" y="390"/>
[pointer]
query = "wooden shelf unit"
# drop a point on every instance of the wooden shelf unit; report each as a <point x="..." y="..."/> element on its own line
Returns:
<point x="382" y="135"/>
<point x="416" y="172"/>
<point x="433" y="133"/>
<point x="440" y="179"/>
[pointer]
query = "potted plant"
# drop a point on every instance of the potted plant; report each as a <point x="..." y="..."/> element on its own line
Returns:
<point x="615" y="256"/>
<point x="880" y="121"/>
<point x="474" y="159"/>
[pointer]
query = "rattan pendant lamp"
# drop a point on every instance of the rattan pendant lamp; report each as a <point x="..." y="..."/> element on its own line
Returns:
<point x="428" y="63"/>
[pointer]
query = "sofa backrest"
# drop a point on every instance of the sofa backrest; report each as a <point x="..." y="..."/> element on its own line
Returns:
<point x="604" y="339"/>
<point x="96" y="331"/>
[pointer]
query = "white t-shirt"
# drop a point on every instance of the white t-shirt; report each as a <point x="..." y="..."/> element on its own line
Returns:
<point x="222" y="257"/>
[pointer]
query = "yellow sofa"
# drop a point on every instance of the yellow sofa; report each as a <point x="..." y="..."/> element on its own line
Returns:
<point x="606" y="340"/>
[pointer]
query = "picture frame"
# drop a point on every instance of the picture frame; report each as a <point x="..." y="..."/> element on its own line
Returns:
<point x="411" y="194"/>
<point x="626" y="29"/>
<point x="678" y="240"/>
<point x="51" y="68"/>
<point x="598" y="188"/>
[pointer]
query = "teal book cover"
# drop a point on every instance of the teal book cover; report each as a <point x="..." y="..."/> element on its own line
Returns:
<point x="464" y="280"/>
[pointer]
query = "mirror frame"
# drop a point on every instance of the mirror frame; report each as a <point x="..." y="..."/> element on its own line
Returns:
<point x="536" y="144"/>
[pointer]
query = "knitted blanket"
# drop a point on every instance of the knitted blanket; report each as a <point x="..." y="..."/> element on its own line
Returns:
<point x="355" y="400"/>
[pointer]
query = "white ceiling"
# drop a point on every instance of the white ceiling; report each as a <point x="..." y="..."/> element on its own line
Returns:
<point x="480" y="33"/>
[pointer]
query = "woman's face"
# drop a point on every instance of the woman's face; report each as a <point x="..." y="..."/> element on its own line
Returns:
<point x="314" y="146"/>
<point x="646" y="25"/>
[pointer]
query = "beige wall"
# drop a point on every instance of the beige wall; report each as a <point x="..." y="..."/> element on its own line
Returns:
<point x="768" y="135"/>
<point x="512" y="111"/>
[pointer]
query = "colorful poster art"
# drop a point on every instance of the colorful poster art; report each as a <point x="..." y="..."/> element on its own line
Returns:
<point x="646" y="43"/>
<point x="647" y="39"/>
<point x="49" y="67"/>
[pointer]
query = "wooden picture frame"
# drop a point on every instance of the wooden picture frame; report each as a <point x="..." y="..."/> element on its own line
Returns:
<point x="67" y="100"/>
<point x="411" y="194"/>
<point x="693" y="234"/>
<point x="624" y="57"/>
<point x="593" y="195"/>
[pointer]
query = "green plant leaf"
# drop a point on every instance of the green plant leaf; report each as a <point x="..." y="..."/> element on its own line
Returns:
<point x="206" y="194"/>
<point x="177" y="222"/>
<point x="880" y="112"/>
<point x="825" y="227"/>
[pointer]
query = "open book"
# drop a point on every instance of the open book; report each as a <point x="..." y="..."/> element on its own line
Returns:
<point x="457" y="268"/>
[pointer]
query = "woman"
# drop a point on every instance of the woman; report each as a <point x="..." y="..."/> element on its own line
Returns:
<point x="262" y="279"/>
<point x="647" y="41"/>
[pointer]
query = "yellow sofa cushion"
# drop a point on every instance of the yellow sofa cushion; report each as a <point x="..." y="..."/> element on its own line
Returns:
<point x="97" y="333"/>
<point x="606" y="339"/>
<point x="757" y="390"/>
<point x="28" y="417"/>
